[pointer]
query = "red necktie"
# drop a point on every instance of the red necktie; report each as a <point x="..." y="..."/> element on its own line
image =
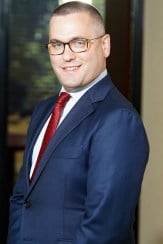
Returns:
<point x="52" y="126"/>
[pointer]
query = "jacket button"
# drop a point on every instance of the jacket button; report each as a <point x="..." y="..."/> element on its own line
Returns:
<point x="27" y="204"/>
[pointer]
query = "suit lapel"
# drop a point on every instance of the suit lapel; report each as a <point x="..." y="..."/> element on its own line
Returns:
<point x="36" y="126"/>
<point x="84" y="107"/>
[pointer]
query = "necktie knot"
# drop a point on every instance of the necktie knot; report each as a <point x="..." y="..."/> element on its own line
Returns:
<point x="57" y="112"/>
<point x="63" y="99"/>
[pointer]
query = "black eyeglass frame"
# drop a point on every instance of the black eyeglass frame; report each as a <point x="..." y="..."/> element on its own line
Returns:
<point x="69" y="44"/>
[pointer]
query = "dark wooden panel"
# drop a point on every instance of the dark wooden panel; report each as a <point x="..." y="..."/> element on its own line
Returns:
<point x="4" y="169"/>
<point x="118" y="25"/>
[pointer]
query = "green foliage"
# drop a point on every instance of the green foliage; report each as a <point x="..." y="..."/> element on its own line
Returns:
<point x="30" y="74"/>
<point x="100" y="5"/>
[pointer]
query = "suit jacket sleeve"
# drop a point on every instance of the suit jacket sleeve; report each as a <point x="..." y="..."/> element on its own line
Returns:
<point x="117" y="160"/>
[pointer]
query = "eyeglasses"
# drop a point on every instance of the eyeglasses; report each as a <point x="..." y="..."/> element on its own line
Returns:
<point x="76" y="45"/>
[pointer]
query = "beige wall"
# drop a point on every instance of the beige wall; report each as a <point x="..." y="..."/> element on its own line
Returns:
<point x="151" y="203"/>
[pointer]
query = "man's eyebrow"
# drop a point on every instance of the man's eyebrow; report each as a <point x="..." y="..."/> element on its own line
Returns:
<point x="76" y="37"/>
<point x="54" y="40"/>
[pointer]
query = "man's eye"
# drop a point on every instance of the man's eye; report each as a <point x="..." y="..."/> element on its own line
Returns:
<point x="79" y="42"/>
<point x="56" y="44"/>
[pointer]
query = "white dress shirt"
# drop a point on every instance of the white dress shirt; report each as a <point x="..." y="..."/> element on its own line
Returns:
<point x="75" y="96"/>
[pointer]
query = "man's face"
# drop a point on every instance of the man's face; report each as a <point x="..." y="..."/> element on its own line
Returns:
<point x="76" y="70"/>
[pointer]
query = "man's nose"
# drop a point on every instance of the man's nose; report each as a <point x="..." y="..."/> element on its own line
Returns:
<point x="68" y="53"/>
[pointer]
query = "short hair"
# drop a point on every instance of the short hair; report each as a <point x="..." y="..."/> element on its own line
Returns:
<point x="77" y="7"/>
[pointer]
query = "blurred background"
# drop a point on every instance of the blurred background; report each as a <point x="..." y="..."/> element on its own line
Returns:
<point x="135" y="66"/>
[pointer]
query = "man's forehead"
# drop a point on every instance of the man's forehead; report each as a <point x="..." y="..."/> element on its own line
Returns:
<point x="71" y="21"/>
<point x="71" y="26"/>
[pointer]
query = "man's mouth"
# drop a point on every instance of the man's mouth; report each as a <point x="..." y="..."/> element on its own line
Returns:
<point x="71" y="68"/>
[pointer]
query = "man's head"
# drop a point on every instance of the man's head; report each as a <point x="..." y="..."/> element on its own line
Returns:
<point x="78" y="44"/>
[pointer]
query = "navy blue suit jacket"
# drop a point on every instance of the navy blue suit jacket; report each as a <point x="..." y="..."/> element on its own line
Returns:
<point x="88" y="183"/>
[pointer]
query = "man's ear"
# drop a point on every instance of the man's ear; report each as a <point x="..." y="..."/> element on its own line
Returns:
<point x="106" y="45"/>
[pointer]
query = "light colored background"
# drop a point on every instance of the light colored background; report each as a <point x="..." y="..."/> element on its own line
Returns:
<point x="151" y="203"/>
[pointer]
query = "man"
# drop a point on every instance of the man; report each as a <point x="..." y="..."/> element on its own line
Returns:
<point x="87" y="183"/>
